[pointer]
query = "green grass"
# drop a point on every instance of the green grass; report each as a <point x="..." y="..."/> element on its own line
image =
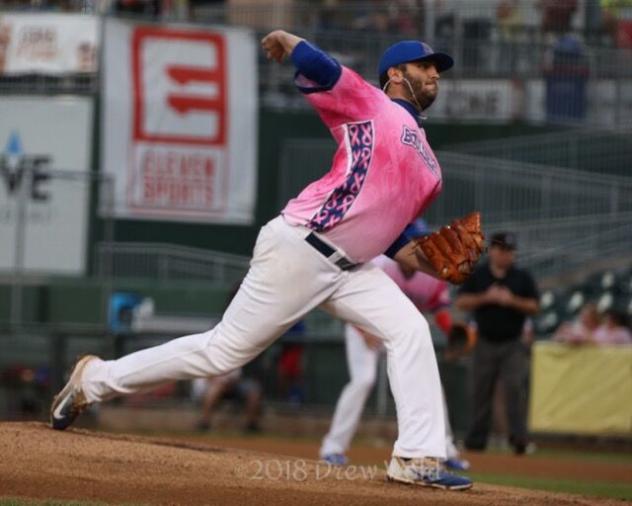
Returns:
<point x="592" y="488"/>
<point x="593" y="455"/>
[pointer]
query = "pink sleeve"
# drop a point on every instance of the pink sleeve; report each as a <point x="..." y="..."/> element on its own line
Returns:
<point x="351" y="99"/>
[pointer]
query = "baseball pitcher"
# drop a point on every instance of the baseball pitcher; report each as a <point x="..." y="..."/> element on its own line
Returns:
<point x="316" y="253"/>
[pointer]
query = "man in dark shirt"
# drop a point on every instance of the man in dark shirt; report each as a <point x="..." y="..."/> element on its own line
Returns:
<point x="500" y="296"/>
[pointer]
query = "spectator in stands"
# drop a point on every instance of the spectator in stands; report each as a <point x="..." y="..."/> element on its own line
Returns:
<point x="145" y="8"/>
<point x="408" y="18"/>
<point x="557" y="15"/>
<point x="510" y="23"/>
<point x="617" y="21"/>
<point x="229" y="386"/>
<point x="582" y="330"/>
<point x="501" y="296"/>
<point x="614" y="330"/>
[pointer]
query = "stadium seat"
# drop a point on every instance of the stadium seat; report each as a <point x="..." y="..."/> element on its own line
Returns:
<point x="548" y="299"/>
<point x="626" y="283"/>
<point x="576" y="299"/>
<point x="591" y="288"/>
<point x="547" y="321"/>
<point x="605" y="301"/>
<point x="608" y="280"/>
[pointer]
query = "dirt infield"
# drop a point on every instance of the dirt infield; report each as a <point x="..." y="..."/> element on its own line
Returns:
<point x="83" y="465"/>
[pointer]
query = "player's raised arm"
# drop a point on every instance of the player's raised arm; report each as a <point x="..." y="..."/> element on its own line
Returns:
<point x="338" y="94"/>
<point x="316" y="70"/>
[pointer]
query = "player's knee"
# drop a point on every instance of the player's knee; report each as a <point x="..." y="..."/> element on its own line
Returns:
<point x="364" y="383"/>
<point x="414" y="334"/>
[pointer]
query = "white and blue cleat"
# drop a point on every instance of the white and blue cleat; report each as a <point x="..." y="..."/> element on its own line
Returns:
<point x="425" y="472"/>
<point x="335" y="459"/>
<point x="456" y="464"/>
<point x="71" y="401"/>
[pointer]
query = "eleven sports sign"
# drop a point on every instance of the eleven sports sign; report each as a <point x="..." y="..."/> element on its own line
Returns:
<point x="180" y="125"/>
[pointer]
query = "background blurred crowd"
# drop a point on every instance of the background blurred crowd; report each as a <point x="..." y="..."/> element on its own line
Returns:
<point x="607" y="22"/>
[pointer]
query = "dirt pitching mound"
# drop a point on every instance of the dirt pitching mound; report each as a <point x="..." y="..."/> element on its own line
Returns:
<point x="40" y="463"/>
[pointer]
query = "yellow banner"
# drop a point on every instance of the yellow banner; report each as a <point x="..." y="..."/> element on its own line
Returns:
<point x="581" y="390"/>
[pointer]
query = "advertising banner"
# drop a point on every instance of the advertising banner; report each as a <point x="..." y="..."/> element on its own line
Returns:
<point x="48" y="43"/>
<point x="581" y="390"/>
<point x="475" y="100"/>
<point x="179" y="122"/>
<point x="44" y="183"/>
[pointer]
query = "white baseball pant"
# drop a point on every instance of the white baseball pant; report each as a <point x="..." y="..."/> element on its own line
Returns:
<point x="287" y="279"/>
<point x="362" y="361"/>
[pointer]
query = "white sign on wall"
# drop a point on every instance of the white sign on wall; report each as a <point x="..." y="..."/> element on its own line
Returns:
<point x="45" y="148"/>
<point x="180" y="122"/>
<point x="472" y="99"/>
<point x="48" y="43"/>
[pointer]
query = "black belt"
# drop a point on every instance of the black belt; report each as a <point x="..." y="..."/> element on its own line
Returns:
<point x="344" y="263"/>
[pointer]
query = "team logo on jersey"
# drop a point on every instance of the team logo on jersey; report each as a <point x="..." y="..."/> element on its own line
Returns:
<point x="360" y="137"/>
<point x="412" y="138"/>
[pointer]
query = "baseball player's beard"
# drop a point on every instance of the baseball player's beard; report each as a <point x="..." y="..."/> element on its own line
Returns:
<point x="422" y="97"/>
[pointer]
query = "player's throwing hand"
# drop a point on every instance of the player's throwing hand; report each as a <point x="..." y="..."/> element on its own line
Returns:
<point x="279" y="44"/>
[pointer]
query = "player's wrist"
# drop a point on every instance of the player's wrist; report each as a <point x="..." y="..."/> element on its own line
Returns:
<point x="289" y="42"/>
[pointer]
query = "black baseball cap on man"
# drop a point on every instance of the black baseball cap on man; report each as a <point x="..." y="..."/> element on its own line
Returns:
<point x="505" y="240"/>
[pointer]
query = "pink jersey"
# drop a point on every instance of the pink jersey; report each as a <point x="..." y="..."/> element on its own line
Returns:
<point x="426" y="292"/>
<point x="383" y="175"/>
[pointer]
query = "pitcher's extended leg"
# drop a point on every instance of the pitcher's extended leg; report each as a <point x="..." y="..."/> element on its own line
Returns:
<point x="268" y="302"/>
<point x="371" y="300"/>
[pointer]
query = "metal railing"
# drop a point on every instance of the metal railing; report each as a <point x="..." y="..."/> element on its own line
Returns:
<point x="604" y="152"/>
<point x="556" y="247"/>
<point x="35" y="84"/>
<point x="168" y="262"/>
<point x="513" y="191"/>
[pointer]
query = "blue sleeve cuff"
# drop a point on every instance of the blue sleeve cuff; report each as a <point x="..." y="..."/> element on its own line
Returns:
<point x="315" y="65"/>
<point x="404" y="238"/>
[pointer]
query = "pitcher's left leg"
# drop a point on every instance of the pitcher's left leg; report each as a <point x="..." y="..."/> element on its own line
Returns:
<point x="371" y="300"/>
<point x="368" y="298"/>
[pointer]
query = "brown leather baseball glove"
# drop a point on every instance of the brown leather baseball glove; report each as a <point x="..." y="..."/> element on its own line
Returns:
<point x="454" y="249"/>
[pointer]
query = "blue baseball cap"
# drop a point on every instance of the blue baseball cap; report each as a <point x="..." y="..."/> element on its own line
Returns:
<point x="412" y="50"/>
